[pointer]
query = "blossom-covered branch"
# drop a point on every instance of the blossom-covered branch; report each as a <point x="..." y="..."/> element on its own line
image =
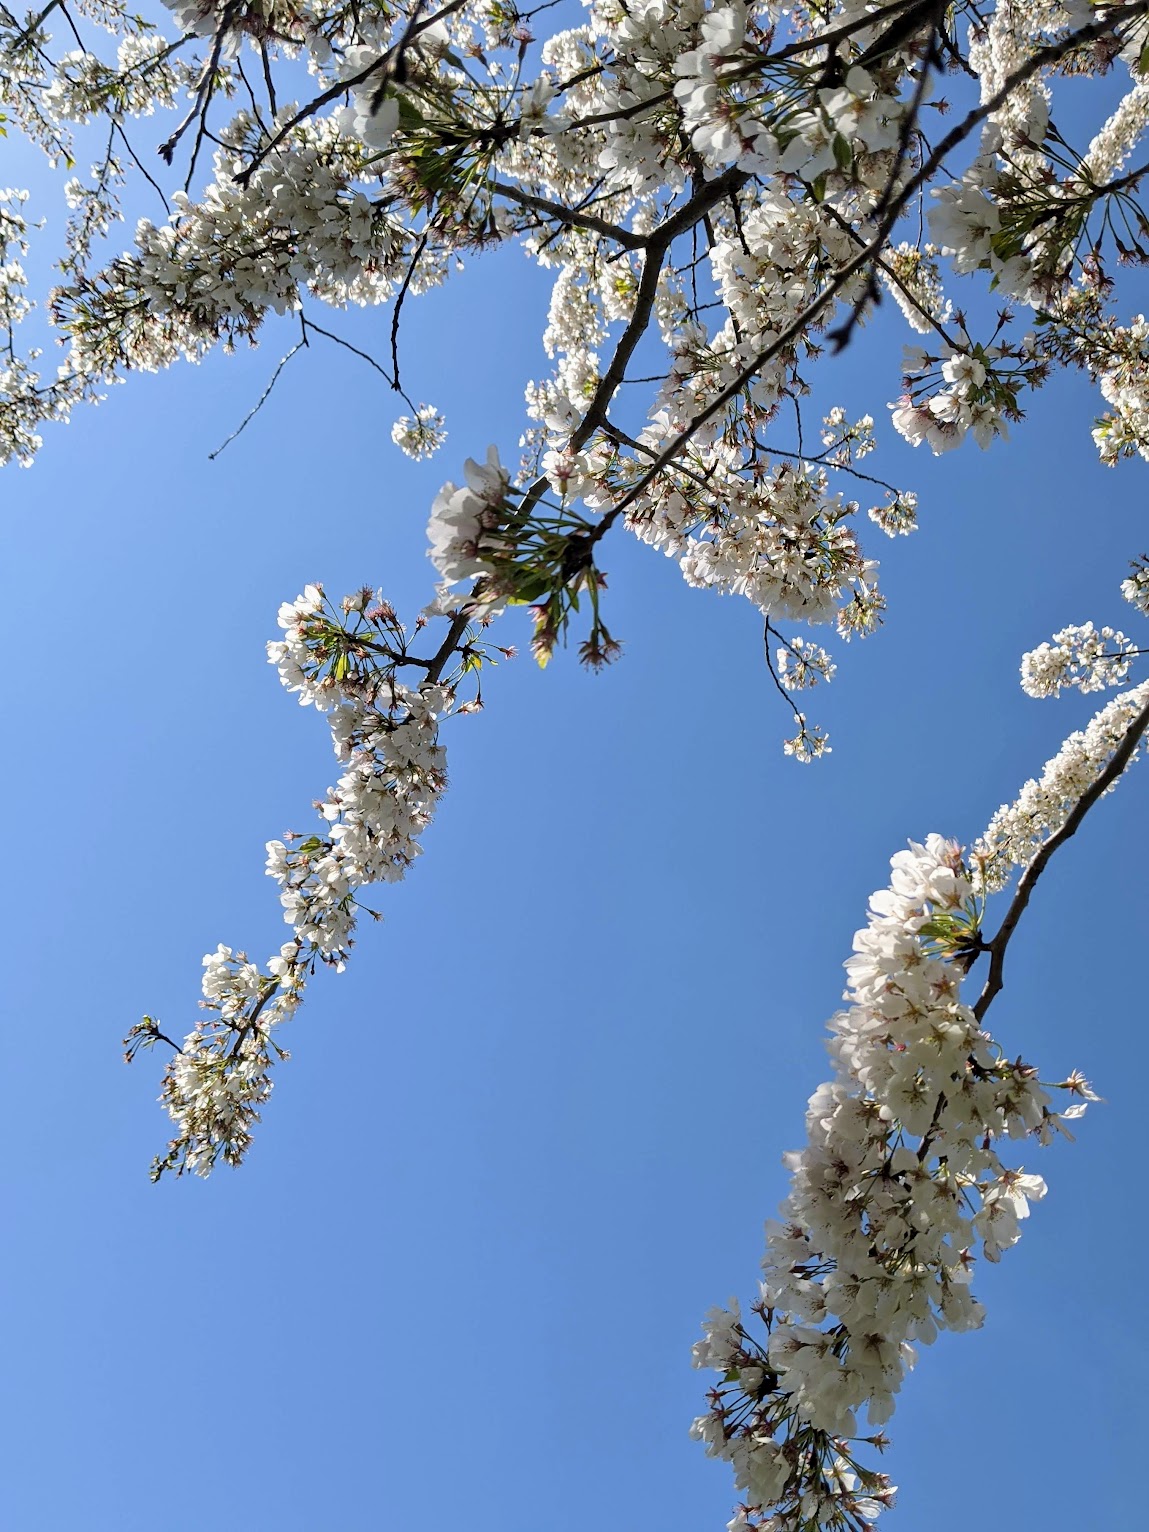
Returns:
<point x="345" y="662"/>
<point x="901" y="1186"/>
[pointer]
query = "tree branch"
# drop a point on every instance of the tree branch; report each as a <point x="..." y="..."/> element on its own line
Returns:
<point x="997" y="947"/>
<point x="570" y="217"/>
<point x="657" y="244"/>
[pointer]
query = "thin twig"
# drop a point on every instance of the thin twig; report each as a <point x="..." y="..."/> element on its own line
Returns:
<point x="142" y="168"/>
<point x="263" y="398"/>
<point x="309" y="324"/>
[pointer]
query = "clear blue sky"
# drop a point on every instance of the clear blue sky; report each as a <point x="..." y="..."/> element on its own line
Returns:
<point x="533" y="1132"/>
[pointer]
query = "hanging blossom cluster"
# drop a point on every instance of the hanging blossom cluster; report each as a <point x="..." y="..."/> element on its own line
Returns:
<point x="903" y="1185"/>
<point x="801" y="664"/>
<point x="1089" y="658"/>
<point x="385" y="736"/>
<point x="420" y="435"/>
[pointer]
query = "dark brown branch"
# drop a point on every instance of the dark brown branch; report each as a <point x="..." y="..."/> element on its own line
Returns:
<point x="204" y="90"/>
<point x="622" y="113"/>
<point x="840" y="34"/>
<point x="267" y="79"/>
<point x="657" y="244"/>
<point x="446" y="649"/>
<point x="570" y="217"/>
<point x="1029" y="878"/>
<point x="921" y="16"/>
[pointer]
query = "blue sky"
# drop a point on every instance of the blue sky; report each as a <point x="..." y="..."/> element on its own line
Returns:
<point x="533" y="1132"/>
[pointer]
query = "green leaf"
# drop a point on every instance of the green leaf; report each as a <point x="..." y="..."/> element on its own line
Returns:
<point x="409" y="114"/>
<point x="530" y="589"/>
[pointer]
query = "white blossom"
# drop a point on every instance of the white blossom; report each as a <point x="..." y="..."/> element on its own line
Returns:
<point x="1017" y="830"/>
<point x="1083" y="656"/>
<point x="420" y="435"/>
<point x="898" y="1189"/>
<point x="465" y="521"/>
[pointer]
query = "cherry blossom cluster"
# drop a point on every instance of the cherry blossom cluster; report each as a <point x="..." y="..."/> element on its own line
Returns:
<point x="911" y="274"/>
<point x="899" y="1189"/>
<point x="1117" y="360"/>
<point x="218" y="1078"/>
<point x="1089" y="658"/>
<point x="465" y="526"/>
<point x="964" y="389"/>
<point x="801" y="664"/>
<point x="297" y="217"/>
<point x="420" y="435"/>
<point x="1136" y="588"/>
<point x="386" y="737"/>
<point x="1018" y="829"/>
<point x="810" y="742"/>
<point x="784" y="542"/>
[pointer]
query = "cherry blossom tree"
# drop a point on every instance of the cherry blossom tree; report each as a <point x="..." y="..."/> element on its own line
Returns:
<point x="725" y="195"/>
